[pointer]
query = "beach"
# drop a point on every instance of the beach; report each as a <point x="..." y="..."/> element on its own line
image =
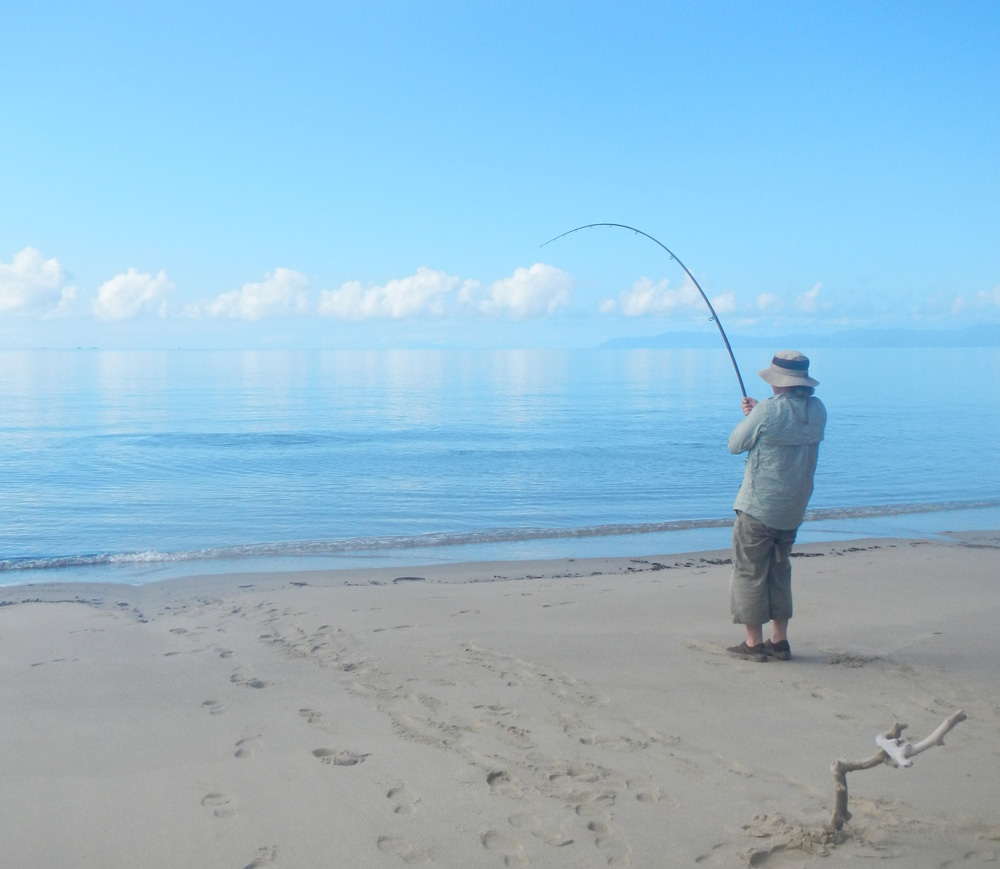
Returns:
<point x="561" y="713"/>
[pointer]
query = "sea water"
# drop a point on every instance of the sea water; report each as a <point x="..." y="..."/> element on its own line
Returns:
<point x="137" y="466"/>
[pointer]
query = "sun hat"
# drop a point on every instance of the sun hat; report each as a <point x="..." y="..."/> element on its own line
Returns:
<point x="788" y="368"/>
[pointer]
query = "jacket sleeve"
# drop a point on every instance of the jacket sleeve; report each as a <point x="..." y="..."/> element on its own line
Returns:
<point x="747" y="432"/>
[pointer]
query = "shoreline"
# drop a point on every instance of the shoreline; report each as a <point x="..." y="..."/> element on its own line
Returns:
<point x="822" y="526"/>
<point x="558" y="713"/>
<point x="460" y="572"/>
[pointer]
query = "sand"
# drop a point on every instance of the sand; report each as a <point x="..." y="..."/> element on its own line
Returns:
<point x="570" y="713"/>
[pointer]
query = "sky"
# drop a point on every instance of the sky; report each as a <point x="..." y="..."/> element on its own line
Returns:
<point x="384" y="173"/>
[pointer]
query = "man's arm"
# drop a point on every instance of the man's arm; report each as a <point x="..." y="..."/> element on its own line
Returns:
<point x="748" y="430"/>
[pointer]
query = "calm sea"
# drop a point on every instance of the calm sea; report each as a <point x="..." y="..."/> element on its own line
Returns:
<point x="137" y="466"/>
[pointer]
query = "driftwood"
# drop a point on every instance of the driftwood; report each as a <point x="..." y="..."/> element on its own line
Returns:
<point x="894" y="751"/>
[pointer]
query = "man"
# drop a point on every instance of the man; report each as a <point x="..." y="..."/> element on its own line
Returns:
<point x="781" y="436"/>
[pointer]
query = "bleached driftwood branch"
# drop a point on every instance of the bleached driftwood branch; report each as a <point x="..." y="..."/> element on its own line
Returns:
<point x="902" y="752"/>
<point x="894" y="751"/>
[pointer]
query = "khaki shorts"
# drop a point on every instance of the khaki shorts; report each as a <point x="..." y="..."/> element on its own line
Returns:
<point x="761" y="588"/>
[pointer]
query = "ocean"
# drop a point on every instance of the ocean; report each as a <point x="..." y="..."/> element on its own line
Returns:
<point x="146" y="465"/>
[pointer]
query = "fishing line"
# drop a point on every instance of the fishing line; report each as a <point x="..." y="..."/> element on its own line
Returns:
<point x="673" y="256"/>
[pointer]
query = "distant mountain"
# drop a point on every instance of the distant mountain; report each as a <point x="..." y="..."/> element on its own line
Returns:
<point x="983" y="335"/>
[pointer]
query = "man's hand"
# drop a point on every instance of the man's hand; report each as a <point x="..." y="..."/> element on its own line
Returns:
<point x="748" y="405"/>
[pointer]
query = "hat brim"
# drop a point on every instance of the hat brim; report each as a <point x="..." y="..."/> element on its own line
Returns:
<point x="777" y="377"/>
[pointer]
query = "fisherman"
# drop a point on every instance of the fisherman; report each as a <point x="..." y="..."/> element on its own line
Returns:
<point x="781" y="435"/>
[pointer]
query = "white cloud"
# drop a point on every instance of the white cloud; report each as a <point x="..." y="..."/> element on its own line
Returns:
<point x="533" y="292"/>
<point x="283" y="292"/>
<point x="30" y="283"/>
<point x="983" y="300"/>
<point x="422" y="294"/>
<point x="125" y="296"/>
<point x="809" y="301"/>
<point x="724" y="304"/>
<point x="659" y="299"/>
<point x="768" y="302"/>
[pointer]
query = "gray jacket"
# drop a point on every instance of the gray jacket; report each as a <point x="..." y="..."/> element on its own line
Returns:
<point x="782" y="434"/>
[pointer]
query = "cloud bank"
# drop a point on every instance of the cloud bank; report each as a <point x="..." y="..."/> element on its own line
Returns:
<point x="31" y="284"/>
<point x="33" y="287"/>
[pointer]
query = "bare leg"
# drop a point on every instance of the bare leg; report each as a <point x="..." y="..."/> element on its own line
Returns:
<point x="779" y="630"/>
<point x="755" y="635"/>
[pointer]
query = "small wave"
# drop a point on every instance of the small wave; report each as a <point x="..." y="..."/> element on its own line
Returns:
<point x="895" y="509"/>
<point x="496" y="535"/>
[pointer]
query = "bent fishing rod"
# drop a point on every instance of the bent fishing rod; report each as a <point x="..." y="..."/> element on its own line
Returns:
<point x="673" y="256"/>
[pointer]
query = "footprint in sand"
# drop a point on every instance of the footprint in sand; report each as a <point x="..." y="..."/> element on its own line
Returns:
<point x="510" y="849"/>
<point x="265" y="857"/>
<point x="405" y="850"/>
<point x="716" y="855"/>
<point x="220" y="804"/>
<point x="504" y="783"/>
<point x="214" y="707"/>
<point x="533" y="824"/>
<point x="616" y="849"/>
<point x="525" y="821"/>
<point x="250" y="682"/>
<point x="591" y="804"/>
<point x="339" y="757"/>
<point x="845" y="659"/>
<point x="246" y="747"/>
<point x="311" y="715"/>
<point x="494" y="708"/>
<point x="404" y="802"/>
<point x="645" y="790"/>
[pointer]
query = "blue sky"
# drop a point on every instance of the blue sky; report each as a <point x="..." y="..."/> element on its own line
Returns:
<point x="372" y="174"/>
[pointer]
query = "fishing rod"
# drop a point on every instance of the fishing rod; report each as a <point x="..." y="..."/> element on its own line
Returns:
<point x="673" y="256"/>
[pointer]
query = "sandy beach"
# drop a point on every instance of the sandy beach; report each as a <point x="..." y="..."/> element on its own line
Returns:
<point x="573" y="713"/>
